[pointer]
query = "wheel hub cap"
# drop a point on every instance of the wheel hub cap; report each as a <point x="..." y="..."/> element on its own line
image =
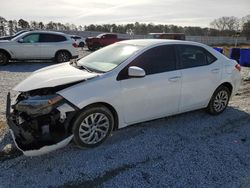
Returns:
<point x="221" y="101"/>
<point x="94" y="128"/>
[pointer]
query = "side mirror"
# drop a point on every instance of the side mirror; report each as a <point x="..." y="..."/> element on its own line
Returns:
<point x="20" y="40"/>
<point x="136" y="72"/>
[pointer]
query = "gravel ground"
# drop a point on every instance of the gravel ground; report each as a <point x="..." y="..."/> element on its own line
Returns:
<point x="188" y="150"/>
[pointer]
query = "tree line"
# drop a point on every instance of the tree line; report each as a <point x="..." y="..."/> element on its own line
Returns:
<point x="224" y="26"/>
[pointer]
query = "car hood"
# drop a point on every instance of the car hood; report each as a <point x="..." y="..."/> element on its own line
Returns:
<point x="52" y="76"/>
<point x="4" y="41"/>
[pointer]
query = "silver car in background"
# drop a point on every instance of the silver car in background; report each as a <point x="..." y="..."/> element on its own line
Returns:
<point x="80" y="41"/>
<point x="38" y="45"/>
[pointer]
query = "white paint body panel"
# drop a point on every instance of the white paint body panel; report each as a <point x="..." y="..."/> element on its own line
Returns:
<point x="53" y="76"/>
<point x="141" y="99"/>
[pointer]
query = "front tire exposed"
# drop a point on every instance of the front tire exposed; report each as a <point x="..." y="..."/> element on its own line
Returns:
<point x="219" y="100"/>
<point x="4" y="59"/>
<point x="92" y="126"/>
<point x="62" y="56"/>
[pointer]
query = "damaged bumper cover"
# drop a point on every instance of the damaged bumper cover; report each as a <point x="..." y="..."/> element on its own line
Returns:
<point x="37" y="134"/>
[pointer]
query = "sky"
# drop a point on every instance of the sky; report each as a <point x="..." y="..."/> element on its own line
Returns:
<point x="85" y="12"/>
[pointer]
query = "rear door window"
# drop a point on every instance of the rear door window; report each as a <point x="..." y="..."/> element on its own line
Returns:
<point x="194" y="56"/>
<point x="52" y="38"/>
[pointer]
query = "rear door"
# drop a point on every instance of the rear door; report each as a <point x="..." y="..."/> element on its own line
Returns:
<point x="158" y="93"/>
<point x="201" y="74"/>
<point x="50" y="44"/>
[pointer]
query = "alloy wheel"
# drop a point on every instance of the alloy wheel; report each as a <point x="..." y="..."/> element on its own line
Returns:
<point x="220" y="101"/>
<point x="94" y="128"/>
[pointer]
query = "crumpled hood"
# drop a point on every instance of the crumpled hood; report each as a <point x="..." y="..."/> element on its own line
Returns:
<point x="52" y="76"/>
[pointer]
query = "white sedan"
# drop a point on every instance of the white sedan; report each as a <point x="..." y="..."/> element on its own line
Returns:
<point x="119" y="85"/>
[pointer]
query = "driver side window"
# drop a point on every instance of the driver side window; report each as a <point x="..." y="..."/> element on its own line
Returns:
<point x="156" y="60"/>
<point x="33" y="38"/>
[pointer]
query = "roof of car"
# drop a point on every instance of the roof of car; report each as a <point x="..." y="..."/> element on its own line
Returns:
<point x="150" y="42"/>
<point x="42" y="31"/>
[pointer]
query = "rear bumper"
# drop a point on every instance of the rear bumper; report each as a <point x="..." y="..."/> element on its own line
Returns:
<point x="236" y="83"/>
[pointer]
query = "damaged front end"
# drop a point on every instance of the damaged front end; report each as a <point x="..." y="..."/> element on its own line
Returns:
<point x="39" y="121"/>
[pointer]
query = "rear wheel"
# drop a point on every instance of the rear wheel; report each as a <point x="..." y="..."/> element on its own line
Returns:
<point x="4" y="59"/>
<point x="81" y="44"/>
<point x="62" y="56"/>
<point x="93" y="126"/>
<point x="219" y="100"/>
<point x="96" y="46"/>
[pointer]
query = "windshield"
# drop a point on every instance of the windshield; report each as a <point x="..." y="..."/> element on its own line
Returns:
<point x="109" y="57"/>
<point x="100" y="35"/>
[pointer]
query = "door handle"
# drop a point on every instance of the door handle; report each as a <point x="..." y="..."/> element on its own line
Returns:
<point x="174" y="79"/>
<point x="215" y="70"/>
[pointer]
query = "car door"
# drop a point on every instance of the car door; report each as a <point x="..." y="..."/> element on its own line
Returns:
<point x="201" y="74"/>
<point x="50" y="44"/>
<point x="28" y="47"/>
<point x="158" y="93"/>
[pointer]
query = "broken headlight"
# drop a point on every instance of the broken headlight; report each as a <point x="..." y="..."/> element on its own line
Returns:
<point x="38" y="105"/>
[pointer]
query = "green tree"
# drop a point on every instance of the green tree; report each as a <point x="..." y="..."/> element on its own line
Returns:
<point x="246" y="29"/>
<point x="23" y="24"/>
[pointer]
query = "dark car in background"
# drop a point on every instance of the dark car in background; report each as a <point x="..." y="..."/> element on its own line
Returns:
<point x="104" y="39"/>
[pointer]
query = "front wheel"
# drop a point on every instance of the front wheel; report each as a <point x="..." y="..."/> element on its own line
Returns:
<point x="219" y="100"/>
<point x="4" y="59"/>
<point x="93" y="126"/>
<point x="62" y="56"/>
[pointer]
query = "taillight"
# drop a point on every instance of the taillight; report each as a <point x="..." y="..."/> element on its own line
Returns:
<point x="237" y="66"/>
<point x="75" y="45"/>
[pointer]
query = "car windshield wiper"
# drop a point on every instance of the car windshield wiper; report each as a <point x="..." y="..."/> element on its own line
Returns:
<point x="86" y="68"/>
<point x="75" y="64"/>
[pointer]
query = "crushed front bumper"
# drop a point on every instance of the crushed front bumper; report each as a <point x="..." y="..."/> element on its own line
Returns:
<point x="16" y="132"/>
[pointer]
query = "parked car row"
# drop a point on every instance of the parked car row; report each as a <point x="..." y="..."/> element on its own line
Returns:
<point x="43" y="45"/>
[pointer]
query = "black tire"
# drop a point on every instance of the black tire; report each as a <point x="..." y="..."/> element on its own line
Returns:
<point x="92" y="131"/>
<point x="91" y="48"/>
<point x="96" y="46"/>
<point x="62" y="56"/>
<point x="81" y="44"/>
<point x="4" y="59"/>
<point x="219" y="101"/>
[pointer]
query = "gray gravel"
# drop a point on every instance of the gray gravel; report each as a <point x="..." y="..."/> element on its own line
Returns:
<point x="188" y="150"/>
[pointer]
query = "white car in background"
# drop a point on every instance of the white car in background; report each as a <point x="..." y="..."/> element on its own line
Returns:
<point x="38" y="45"/>
<point x="80" y="41"/>
<point x="119" y="85"/>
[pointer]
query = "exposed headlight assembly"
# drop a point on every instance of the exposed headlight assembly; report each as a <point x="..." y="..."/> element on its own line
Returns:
<point x="38" y="105"/>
